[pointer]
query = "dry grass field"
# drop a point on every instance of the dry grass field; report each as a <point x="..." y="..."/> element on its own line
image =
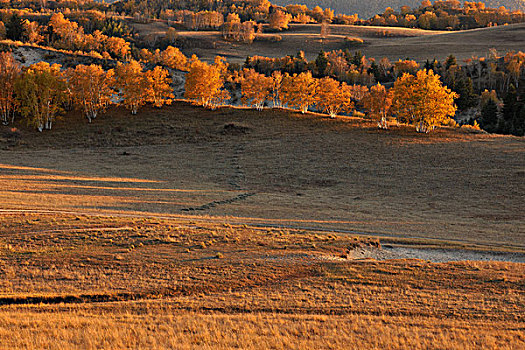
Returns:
<point x="115" y="283"/>
<point x="233" y="228"/>
<point x="399" y="43"/>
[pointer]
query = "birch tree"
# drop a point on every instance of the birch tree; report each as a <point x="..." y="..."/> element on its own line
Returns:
<point x="91" y="88"/>
<point x="298" y="91"/>
<point x="422" y="100"/>
<point x="255" y="88"/>
<point x="205" y="83"/>
<point x="158" y="89"/>
<point x="378" y="102"/>
<point x="9" y="73"/>
<point x="131" y="83"/>
<point x="41" y="90"/>
<point x="333" y="97"/>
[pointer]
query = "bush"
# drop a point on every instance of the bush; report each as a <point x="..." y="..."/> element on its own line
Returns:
<point x="353" y="41"/>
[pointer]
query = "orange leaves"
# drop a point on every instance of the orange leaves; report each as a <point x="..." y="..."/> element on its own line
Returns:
<point x="41" y="91"/>
<point x="255" y="88"/>
<point x="423" y="100"/>
<point x="204" y="82"/>
<point x="173" y="58"/>
<point x="333" y="97"/>
<point x="158" y="89"/>
<point x="9" y="72"/>
<point x="378" y="102"/>
<point x="131" y="83"/>
<point x="91" y="88"/>
<point x="118" y="47"/>
<point x="406" y="66"/>
<point x="279" y="20"/>
<point x="298" y="91"/>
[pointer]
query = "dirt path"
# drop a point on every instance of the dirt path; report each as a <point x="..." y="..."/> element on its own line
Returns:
<point x="237" y="181"/>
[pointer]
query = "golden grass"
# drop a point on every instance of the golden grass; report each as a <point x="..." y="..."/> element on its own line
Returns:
<point x="401" y="43"/>
<point x="306" y="171"/>
<point x="113" y="283"/>
<point x="161" y="326"/>
<point x="109" y="259"/>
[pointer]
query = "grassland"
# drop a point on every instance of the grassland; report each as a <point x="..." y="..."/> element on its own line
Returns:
<point x="93" y="282"/>
<point x="189" y="228"/>
<point x="392" y="42"/>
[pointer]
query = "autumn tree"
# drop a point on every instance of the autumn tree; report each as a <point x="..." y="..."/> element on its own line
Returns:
<point x="333" y="97"/>
<point x="118" y="47"/>
<point x="91" y="88"/>
<point x="130" y="80"/>
<point x="422" y="100"/>
<point x="406" y="66"/>
<point x="159" y="92"/>
<point x="298" y="91"/>
<point x="41" y="90"/>
<point x="68" y="32"/>
<point x="174" y="59"/>
<point x="255" y="88"/>
<point x="279" y="20"/>
<point x="358" y="92"/>
<point x="32" y="32"/>
<point x="205" y="82"/>
<point x="3" y="31"/>
<point x="9" y="72"/>
<point x="325" y="30"/>
<point x="378" y="102"/>
<point x="277" y="79"/>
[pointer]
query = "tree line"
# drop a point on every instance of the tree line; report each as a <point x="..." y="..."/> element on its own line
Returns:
<point x="447" y="15"/>
<point x="437" y="87"/>
<point x="419" y="99"/>
<point x="42" y="92"/>
<point x="206" y="15"/>
<point x="495" y="75"/>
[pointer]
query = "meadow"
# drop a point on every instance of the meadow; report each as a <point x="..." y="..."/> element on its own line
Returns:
<point x="392" y="42"/>
<point x="234" y="228"/>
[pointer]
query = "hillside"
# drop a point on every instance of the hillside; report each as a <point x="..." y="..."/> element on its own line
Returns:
<point x="274" y="167"/>
<point x="367" y="9"/>
<point x="400" y="43"/>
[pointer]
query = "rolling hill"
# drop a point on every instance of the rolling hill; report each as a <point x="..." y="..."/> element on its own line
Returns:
<point x="371" y="8"/>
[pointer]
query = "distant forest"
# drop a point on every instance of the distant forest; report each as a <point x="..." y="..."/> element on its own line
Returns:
<point x="370" y="8"/>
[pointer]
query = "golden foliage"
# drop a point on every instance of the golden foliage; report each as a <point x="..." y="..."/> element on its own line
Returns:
<point x="299" y="90"/>
<point x="406" y="66"/>
<point x="277" y="78"/>
<point x="173" y="58"/>
<point x="2" y="30"/>
<point x="334" y="97"/>
<point x="378" y="102"/>
<point x="130" y="80"/>
<point x="255" y="88"/>
<point x="422" y="100"/>
<point x="69" y="32"/>
<point x="9" y="72"/>
<point x="118" y="47"/>
<point x="159" y="92"/>
<point x="279" y="20"/>
<point x="91" y="88"/>
<point x="41" y="91"/>
<point x="204" y="82"/>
